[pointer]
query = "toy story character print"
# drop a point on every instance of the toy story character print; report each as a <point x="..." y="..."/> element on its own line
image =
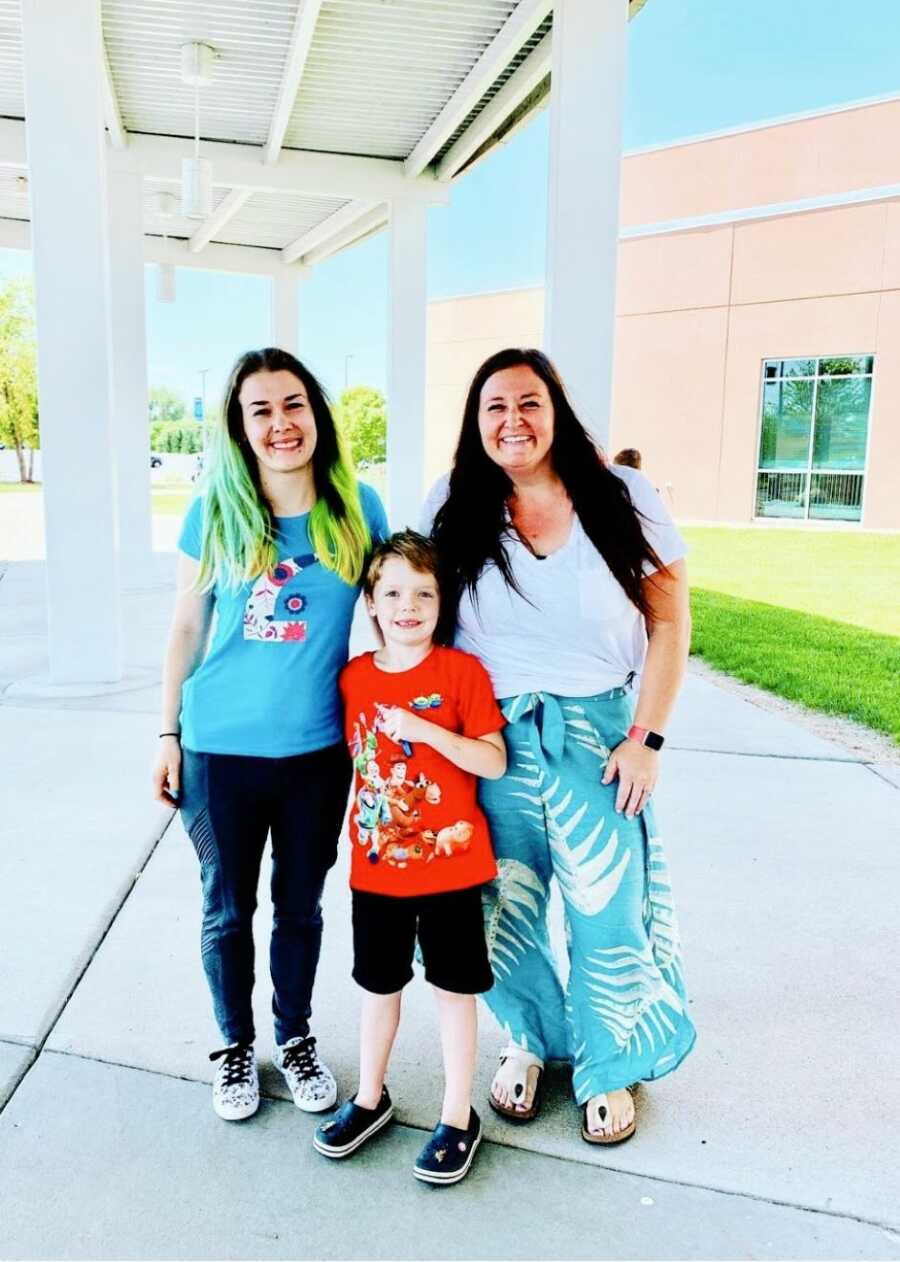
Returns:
<point x="394" y="816"/>
<point x="363" y="744"/>
<point x="431" y="702"/>
<point x="272" y="608"/>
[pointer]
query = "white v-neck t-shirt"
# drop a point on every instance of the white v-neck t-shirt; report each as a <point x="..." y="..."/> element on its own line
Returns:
<point x="577" y="633"/>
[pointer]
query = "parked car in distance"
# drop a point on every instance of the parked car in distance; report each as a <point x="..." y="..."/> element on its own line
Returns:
<point x="155" y="461"/>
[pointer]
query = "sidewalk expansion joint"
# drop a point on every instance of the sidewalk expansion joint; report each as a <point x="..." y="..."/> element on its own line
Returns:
<point x="40" y="1044"/>
<point x="752" y="753"/>
<point x="890" y="1229"/>
<point x="885" y="779"/>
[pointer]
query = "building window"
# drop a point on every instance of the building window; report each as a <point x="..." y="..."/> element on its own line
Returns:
<point x="812" y="444"/>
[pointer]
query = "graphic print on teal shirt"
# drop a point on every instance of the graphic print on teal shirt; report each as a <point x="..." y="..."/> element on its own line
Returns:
<point x="268" y="685"/>
<point x="273" y="592"/>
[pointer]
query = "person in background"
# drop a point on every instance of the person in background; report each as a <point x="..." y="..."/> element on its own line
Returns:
<point x="251" y="735"/>
<point x="630" y="457"/>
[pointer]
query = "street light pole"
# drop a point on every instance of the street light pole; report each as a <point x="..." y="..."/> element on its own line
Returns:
<point x="203" y="372"/>
<point x="347" y="359"/>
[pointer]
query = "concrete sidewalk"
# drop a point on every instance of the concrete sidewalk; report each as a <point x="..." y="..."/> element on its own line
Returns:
<point x="779" y="1137"/>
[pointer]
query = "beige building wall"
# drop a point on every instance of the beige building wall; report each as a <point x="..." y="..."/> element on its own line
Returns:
<point x="700" y="310"/>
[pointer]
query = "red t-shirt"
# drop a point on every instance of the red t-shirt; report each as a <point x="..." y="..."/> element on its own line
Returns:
<point x="415" y="824"/>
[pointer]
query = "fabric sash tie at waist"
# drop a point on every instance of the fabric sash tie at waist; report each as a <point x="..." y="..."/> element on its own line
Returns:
<point x="548" y="718"/>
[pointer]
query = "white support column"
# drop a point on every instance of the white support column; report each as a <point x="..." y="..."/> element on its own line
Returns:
<point x="130" y="429"/>
<point x="406" y="363"/>
<point x="285" y="309"/>
<point x="589" y="48"/>
<point x="63" y="70"/>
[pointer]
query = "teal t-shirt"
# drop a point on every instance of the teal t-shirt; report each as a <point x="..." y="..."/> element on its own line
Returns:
<point x="268" y="686"/>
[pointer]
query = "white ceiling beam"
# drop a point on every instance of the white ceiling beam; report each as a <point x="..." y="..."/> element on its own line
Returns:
<point x="337" y="223"/>
<point x="297" y="171"/>
<point x="374" y="219"/>
<point x="117" y="133"/>
<point x="518" y="29"/>
<point x="532" y="71"/>
<point x="226" y="209"/>
<point x="247" y="259"/>
<point x="301" y="41"/>
<point x="301" y="171"/>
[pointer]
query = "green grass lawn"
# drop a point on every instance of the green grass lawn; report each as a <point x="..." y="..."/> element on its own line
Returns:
<point x="813" y="617"/>
<point x="19" y="488"/>
<point x="840" y="575"/>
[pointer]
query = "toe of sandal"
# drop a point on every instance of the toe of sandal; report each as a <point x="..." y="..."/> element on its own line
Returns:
<point x="523" y="1062"/>
<point x="608" y="1141"/>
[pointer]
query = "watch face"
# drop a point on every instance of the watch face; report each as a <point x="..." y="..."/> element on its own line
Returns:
<point x="653" y="740"/>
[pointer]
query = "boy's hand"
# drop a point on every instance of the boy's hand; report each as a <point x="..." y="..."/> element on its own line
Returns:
<point x="403" y="725"/>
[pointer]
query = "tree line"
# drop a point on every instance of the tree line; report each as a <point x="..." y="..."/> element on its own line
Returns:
<point x="360" y="412"/>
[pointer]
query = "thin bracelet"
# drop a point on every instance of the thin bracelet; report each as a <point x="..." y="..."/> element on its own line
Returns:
<point x="162" y="734"/>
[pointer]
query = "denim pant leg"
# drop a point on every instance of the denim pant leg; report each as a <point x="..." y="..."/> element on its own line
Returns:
<point x="226" y="817"/>
<point x="309" y="803"/>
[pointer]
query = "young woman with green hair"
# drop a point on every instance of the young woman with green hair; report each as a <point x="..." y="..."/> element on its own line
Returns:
<point x="251" y="733"/>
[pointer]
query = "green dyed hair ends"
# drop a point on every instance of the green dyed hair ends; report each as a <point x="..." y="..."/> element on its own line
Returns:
<point x="238" y="542"/>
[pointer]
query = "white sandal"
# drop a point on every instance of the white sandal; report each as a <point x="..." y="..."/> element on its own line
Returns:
<point x="520" y="1062"/>
<point x="595" y="1137"/>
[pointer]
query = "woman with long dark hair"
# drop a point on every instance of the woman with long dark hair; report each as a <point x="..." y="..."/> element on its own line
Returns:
<point x="251" y="738"/>
<point x="569" y="580"/>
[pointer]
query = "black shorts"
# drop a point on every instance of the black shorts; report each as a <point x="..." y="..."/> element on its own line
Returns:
<point x="450" y="928"/>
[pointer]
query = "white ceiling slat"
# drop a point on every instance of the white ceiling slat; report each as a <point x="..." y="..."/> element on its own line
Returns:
<point x="12" y="88"/>
<point x="535" y="68"/>
<point x="301" y="41"/>
<point x="523" y="23"/>
<point x="316" y="236"/>
<point x="144" y="39"/>
<point x="361" y="227"/>
<point x="317" y="112"/>
<point x="227" y="208"/>
<point x="275" y="221"/>
<point x="377" y="74"/>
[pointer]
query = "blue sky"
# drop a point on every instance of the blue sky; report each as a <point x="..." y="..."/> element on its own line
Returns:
<point x="694" y="66"/>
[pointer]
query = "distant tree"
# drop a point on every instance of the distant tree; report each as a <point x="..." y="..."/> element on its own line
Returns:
<point x="361" y="415"/>
<point x="19" y="428"/>
<point x="170" y="436"/>
<point x="165" y="405"/>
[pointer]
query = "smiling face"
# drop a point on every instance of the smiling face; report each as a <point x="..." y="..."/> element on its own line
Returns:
<point x="278" y="421"/>
<point x="405" y="603"/>
<point x="515" y="419"/>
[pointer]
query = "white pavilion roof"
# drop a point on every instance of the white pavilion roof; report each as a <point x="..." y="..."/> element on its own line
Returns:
<point x="410" y="92"/>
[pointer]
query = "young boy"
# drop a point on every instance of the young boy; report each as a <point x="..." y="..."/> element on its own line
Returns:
<point x="422" y="725"/>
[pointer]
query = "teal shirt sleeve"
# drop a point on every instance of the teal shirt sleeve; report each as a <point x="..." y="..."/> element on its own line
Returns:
<point x="191" y="538"/>
<point x="374" y="512"/>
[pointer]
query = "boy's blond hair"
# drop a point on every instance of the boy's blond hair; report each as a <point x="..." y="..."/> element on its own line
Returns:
<point x="418" y="552"/>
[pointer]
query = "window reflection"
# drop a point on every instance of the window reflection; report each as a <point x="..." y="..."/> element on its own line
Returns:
<point x="812" y="448"/>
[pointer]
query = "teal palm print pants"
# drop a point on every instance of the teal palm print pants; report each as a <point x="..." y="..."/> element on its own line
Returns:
<point x="623" y="1015"/>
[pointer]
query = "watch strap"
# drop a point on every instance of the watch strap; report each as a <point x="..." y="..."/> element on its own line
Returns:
<point x="644" y="736"/>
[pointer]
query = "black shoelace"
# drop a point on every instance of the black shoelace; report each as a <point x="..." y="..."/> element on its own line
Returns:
<point x="238" y="1063"/>
<point x="302" y="1058"/>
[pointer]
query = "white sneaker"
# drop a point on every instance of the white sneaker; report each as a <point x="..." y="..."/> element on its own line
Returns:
<point x="236" y="1084"/>
<point x="311" y="1083"/>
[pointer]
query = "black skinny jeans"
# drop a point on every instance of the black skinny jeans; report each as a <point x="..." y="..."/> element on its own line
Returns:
<point x="229" y="805"/>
